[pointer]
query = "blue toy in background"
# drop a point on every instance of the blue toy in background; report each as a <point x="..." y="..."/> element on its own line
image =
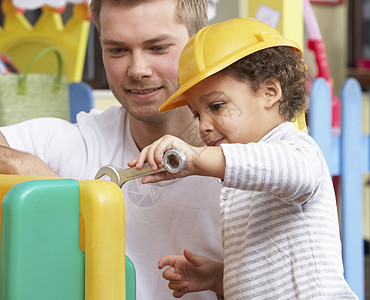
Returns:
<point x="81" y="98"/>
<point x="347" y="155"/>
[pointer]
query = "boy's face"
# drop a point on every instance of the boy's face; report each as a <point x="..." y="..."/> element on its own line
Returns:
<point x="141" y="47"/>
<point x="230" y="112"/>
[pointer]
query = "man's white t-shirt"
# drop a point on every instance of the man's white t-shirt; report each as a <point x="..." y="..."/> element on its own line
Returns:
<point x="161" y="219"/>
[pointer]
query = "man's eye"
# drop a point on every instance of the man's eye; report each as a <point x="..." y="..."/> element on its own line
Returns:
<point x="160" y="48"/>
<point x="196" y="116"/>
<point x="116" y="51"/>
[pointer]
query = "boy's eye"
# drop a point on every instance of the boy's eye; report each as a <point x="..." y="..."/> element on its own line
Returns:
<point x="216" y="106"/>
<point x="196" y="116"/>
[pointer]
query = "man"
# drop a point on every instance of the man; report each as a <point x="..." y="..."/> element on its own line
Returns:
<point x="141" y="42"/>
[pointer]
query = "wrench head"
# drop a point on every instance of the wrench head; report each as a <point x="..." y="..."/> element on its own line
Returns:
<point x="109" y="171"/>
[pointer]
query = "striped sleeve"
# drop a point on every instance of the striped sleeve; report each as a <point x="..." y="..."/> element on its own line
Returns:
<point x="286" y="167"/>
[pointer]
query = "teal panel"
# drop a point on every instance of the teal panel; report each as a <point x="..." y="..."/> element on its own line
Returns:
<point x="40" y="248"/>
<point x="130" y="279"/>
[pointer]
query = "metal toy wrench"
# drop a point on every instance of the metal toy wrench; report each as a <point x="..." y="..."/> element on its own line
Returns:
<point x="174" y="162"/>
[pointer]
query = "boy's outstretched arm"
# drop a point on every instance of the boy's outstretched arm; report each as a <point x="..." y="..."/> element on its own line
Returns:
<point x="204" y="161"/>
<point x="192" y="273"/>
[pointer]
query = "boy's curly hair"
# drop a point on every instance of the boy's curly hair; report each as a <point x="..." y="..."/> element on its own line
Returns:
<point x="282" y="63"/>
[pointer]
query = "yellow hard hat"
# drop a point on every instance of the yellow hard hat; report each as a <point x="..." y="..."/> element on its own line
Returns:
<point x="216" y="47"/>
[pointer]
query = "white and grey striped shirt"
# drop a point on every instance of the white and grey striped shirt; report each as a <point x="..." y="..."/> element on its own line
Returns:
<point x="279" y="221"/>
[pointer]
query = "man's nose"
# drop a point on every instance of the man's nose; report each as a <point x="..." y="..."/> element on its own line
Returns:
<point x="139" y="66"/>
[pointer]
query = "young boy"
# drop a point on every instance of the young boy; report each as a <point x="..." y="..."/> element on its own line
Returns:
<point x="245" y="83"/>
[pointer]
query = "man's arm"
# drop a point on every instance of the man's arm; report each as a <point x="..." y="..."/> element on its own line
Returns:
<point x="14" y="162"/>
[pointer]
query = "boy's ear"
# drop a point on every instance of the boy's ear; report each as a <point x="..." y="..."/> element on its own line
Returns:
<point x="273" y="92"/>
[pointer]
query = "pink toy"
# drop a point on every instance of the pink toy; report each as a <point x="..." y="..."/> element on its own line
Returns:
<point x="316" y="44"/>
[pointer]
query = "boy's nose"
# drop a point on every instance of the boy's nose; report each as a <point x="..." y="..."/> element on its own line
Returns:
<point x="139" y="67"/>
<point x="205" y="127"/>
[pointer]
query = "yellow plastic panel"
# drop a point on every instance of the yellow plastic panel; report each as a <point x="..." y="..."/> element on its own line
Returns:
<point x="22" y="42"/>
<point x="291" y="24"/>
<point x="103" y="215"/>
<point x="300" y="122"/>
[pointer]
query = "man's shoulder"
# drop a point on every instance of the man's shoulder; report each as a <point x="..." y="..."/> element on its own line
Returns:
<point x="109" y="115"/>
<point x="106" y="127"/>
<point x="108" y="121"/>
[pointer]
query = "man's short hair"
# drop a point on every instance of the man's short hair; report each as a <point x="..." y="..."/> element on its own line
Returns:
<point x="192" y="13"/>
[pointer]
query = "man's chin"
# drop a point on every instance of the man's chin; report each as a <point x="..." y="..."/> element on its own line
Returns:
<point x="148" y="117"/>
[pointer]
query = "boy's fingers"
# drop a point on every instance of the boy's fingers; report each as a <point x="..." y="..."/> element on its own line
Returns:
<point x="160" y="151"/>
<point x="151" y="158"/>
<point x="171" y="275"/>
<point x="142" y="158"/>
<point x="180" y="293"/>
<point x="132" y="163"/>
<point x="195" y="259"/>
<point x="162" y="176"/>
<point x="168" y="260"/>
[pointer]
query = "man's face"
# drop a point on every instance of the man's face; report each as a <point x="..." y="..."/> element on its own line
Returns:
<point x="141" y="48"/>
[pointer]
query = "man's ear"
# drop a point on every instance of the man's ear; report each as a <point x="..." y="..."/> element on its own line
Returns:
<point x="273" y="92"/>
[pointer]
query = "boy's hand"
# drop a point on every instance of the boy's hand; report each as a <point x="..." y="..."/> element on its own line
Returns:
<point x="192" y="273"/>
<point x="208" y="161"/>
<point x="153" y="154"/>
